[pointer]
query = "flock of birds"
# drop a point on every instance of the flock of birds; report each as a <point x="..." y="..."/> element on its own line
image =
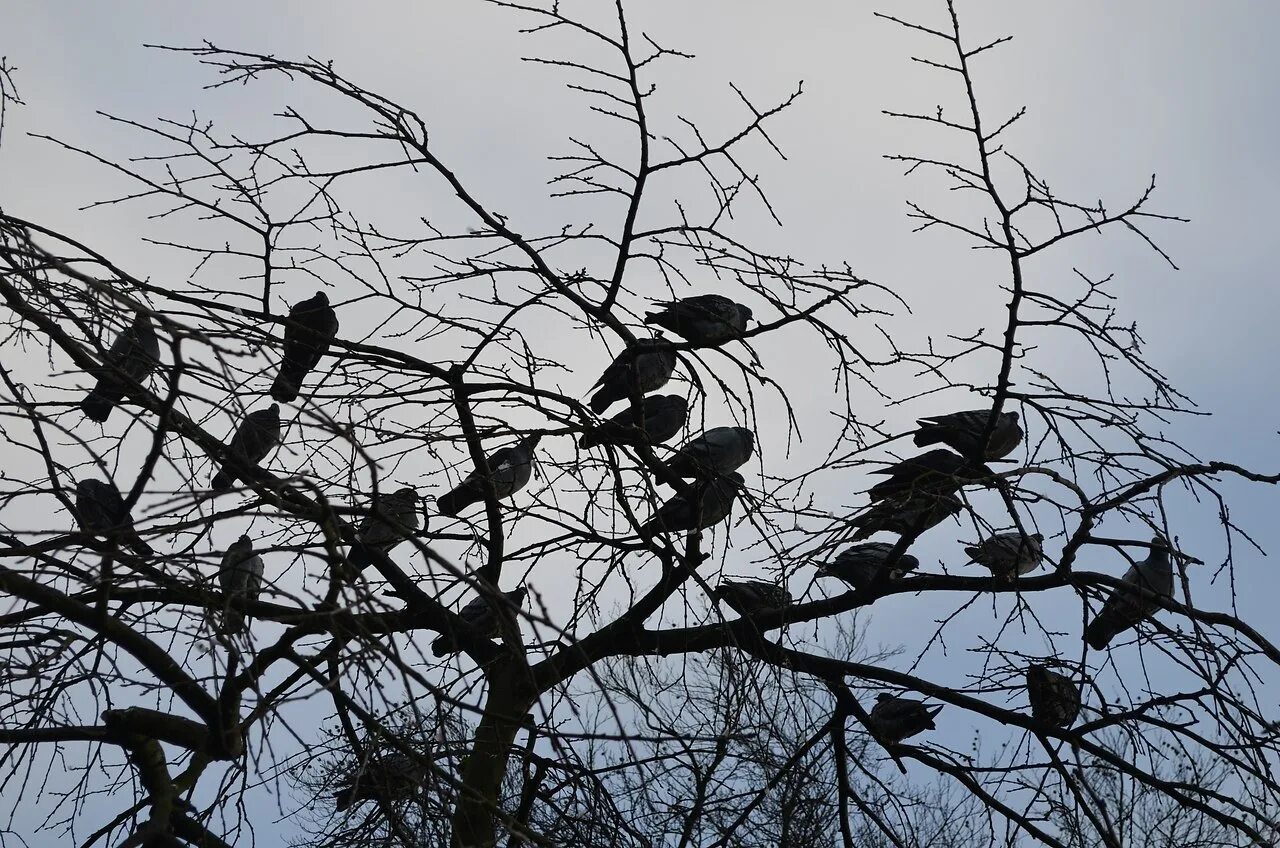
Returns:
<point x="917" y="494"/>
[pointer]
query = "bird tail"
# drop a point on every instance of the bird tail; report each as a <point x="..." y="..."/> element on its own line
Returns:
<point x="222" y="481"/>
<point x="456" y="501"/>
<point x="232" y="622"/>
<point x="358" y="558"/>
<point x="135" y="543"/>
<point x="286" y="385"/>
<point x="343" y="799"/>
<point x="590" y="439"/>
<point x="97" y="405"/>
<point x="1099" y="633"/>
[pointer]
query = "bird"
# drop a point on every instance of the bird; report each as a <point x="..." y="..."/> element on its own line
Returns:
<point x="1055" y="699"/>
<point x="644" y="367"/>
<point x="394" y="776"/>
<point x="391" y="519"/>
<point x="893" y="719"/>
<point x="752" y="597"/>
<point x="101" y="512"/>
<point x="936" y="471"/>
<point x="717" y="451"/>
<point x="509" y="471"/>
<point x="310" y="330"/>
<point x="962" y="432"/>
<point x="133" y="355"/>
<point x="479" y="614"/>
<point x="239" y="576"/>
<point x="715" y="497"/>
<point x="859" y="564"/>
<point x="1125" y="607"/>
<point x="910" y="515"/>
<point x="705" y="319"/>
<point x="257" y="434"/>
<point x="1008" y="555"/>
<point x="662" y="416"/>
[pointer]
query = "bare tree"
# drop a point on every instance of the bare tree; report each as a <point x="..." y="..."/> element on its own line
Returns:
<point x="418" y="580"/>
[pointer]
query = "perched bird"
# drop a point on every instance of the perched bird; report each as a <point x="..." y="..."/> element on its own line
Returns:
<point x="717" y="451"/>
<point x="509" y="471"/>
<point x="894" y="719"/>
<point x="716" y="498"/>
<point x="394" y="776"/>
<point x="937" y="471"/>
<point x="707" y="319"/>
<point x="479" y="614"/>
<point x="913" y="514"/>
<point x="1126" y="608"/>
<point x="1055" y="699"/>
<point x="311" y="328"/>
<point x="391" y="519"/>
<point x="752" y="597"/>
<point x="239" y="576"/>
<point x="134" y="354"/>
<point x="647" y="367"/>
<point x="962" y="431"/>
<point x="859" y="564"/>
<point x="662" y="416"/>
<point x="1008" y="555"/>
<point x="257" y="434"/>
<point x="100" y="508"/>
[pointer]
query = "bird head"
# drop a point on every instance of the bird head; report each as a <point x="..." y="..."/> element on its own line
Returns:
<point x="531" y="441"/>
<point x="322" y="298"/>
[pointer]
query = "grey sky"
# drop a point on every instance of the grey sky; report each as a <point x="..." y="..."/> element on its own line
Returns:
<point x="1115" y="92"/>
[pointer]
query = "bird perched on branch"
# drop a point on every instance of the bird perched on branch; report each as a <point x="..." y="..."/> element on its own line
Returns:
<point x="133" y="355"/>
<point x="644" y="367"/>
<point x="662" y="416"/>
<point x="310" y="330"/>
<point x="910" y="515"/>
<point x="858" y="565"/>
<point x="962" y="432"/>
<point x="393" y="776"/>
<point x="752" y="597"/>
<point x="101" y="512"/>
<point x="713" y="499"/>
<point x="392" y="519"/>
<point x="479" y="614"/>
<point x="936" y="472"/>
<point x="1127" y="607"/>
<point x="720" y="450"/>
<point x="894" y="719"/>
<point x="1009" y="555"/>
<point x="257" y="434"/>
<point x="1055" y="699"/>
<point x="509" y="470"/>
<point x="706" y="319"/>
<point x="239" y="576"/>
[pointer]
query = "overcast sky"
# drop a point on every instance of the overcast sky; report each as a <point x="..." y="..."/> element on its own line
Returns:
<point x="1115" y="91"/>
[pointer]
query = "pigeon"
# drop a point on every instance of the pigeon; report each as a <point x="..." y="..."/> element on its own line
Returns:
<point x="479" y="614"/>
<point x="961" y="431"/>
<point x="239" y="576"/>
<point x="894" y="719"/>
<point x="678" y="514"/>
<point x="1008" y="555"/>
<point x="100" y="508"/>
<point x="392" y="777"/>
<point x="257" y="434"/>
<point x="717" y="451"/>
<point x="1055" y="699"/>
<point x="392" y="519"/>
<point x="311" y="328"/>
<point x="910" y="515"/>
<point x="509" y="470"/>
<point x="937" y="471"/>
<point x="705" y="319"/>
<point x="1125" y="608"/>
<point x="134" y="354"/>
<point x="859" y="564"/>
<point x="647" y="367"/>
<point x="752" y="597"/>
<point x="662" y="417"/>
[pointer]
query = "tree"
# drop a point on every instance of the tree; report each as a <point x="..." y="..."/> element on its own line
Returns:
<point x="466" y="345"/>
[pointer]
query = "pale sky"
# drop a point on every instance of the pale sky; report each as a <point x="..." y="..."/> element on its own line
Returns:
<point x="1114" y="91"/>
